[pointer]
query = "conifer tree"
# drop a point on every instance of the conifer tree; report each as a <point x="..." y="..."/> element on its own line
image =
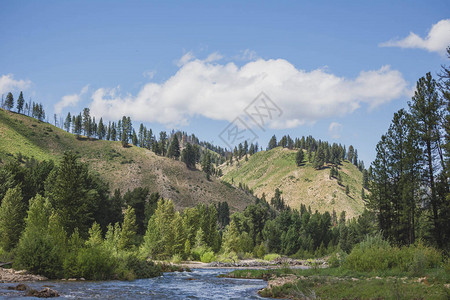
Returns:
<point x="174" y="148"/>
<point x="78" y="125"/>
<point x="299" y="157"/>
<point x="12" y="216"/>
<point x="134" y="138"/>
<point x="128" y="234"/>
<point x="319" y="158"/>
<point x="350" y="153"/>
<point x="188" y="156"/>
<point x="68" y="122"/>
<point x="231" y="238"/>
<point x="101" y="129"/>
<point x="9" y="102"/>
<point x="108" y="132"/>
<point x="86" y="122"/>
<point x="113" y="132"/>
<point x="20" y="102"/>
<point x="68" y="190"/>
<point x="206" y="164"/>
<point x="427" y="110"/>
<point x="355" y="158"/>
<point x="272" y="142"/>
<point x="162" y="142"/>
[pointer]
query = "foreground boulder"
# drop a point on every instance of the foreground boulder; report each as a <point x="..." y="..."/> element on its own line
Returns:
<point x="44" y="293"/>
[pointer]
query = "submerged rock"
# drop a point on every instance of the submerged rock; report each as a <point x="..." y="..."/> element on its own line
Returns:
<point x="19" y="287"/>
<point x="44" y="293"/>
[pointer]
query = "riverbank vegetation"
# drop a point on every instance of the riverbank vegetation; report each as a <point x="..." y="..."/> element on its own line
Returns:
<point x="373" y="269"/>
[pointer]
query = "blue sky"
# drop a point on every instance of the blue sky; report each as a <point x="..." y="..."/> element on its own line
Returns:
<point x="196" y="65"/>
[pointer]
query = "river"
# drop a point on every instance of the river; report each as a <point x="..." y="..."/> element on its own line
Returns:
<point x="198" y="284"/>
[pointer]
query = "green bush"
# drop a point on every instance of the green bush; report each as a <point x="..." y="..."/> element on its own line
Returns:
<point x="197" y="252"/>
<point x="271" y="256"/>
<point x="375" y="254"/>
<point x="337" y="259"/>
<point x="176" y="259"/>
<point x="229" y="257"/>
<point x="259" y="251"/>
<point x="208" y="257"/>
<point x="140" y="267"/>
<point x="94" y="263"/>
<point x="36" y="253"/>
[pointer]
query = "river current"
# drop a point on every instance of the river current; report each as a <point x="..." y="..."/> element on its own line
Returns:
<point x="198" y="284"/>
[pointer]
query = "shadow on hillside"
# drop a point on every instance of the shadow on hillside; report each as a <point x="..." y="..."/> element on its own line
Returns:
<point x="84" y="138"/>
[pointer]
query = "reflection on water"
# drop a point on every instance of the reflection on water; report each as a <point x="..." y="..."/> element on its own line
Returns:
<point x="198" y="284"/>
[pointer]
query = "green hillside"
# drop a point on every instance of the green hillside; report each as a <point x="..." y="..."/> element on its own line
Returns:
<point x="267" y="170"/>
<point x="124" y="168"/>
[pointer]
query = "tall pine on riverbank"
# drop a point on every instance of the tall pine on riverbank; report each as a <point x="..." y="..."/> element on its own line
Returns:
<point x="410" y="183"/>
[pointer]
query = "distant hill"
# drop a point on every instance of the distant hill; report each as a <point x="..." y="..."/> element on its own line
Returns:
<point x="267" y="170"/>
<point x="124" y="168"/>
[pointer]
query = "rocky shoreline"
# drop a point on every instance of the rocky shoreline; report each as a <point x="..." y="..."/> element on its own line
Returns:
<point x="11" y="275"/>
<point x="257" y="264"/>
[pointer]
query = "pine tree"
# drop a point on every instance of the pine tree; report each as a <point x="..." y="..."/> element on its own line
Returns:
<point x="272" y="143"/>
<point x="20" y="102"/>
<point x="355" y="158"/>
<point x="350" y="153"/>
<point x="206" y="164"/>
<point x="179" y="241"/>
<point x="86" y="122"/>
<point x="427" y="110"/>
<point x="188" y="156"/>
<point x="78" y="125"/>
<point x="108" y="131"/>
<point x="128" y="234"/>
<point x="162" y="142"/>
<point x="9" y="102"/>
<point x="113" y="132"/>
<point x="231" y="238"/>
<point x="67" y="122"/>
<point x="319" y="158"/>
<point x="69" y="194"/>
<point x="134" y="138"/>
<point x="174" y="148"/>
<point x="299" y="157"/>
<point x="101" y="129"/>
<point x="12" y="216"/>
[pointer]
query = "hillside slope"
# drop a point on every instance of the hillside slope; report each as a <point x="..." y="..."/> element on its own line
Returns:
<point x="124" y="168"/>
<point x="267" y="170"/>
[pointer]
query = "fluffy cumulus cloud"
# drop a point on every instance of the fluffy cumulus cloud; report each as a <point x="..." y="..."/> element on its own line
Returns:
<point x="70" y="100"/>
<point x="9" y="84"/>
<point x="437" y="40"/>
<point x="335" y="130"/>
<point x="222" y="92"/>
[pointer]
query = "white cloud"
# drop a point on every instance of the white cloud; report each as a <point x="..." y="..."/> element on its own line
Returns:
<point x="437" y="40"/>
<point x="335" y="130"/>
<point x="9" y="84"/>
<point x="185" y="59"/>
<point x="247" y="55"/>
<point x="149" y="74"/>
<point x="70" y="100"/>
<point x="213" y="57"/>
<point x="222" y="91"/>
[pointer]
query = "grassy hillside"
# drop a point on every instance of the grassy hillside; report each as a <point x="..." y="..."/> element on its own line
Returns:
<point x="267" y="170"/>
<point x="124" y="168"/>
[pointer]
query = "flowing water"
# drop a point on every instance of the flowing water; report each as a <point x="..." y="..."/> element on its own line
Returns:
<point x="198" y="284"/>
